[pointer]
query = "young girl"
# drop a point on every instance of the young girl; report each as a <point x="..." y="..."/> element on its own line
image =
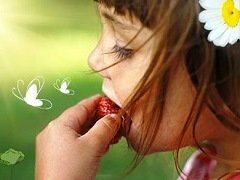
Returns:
<point x="174" y="67"/>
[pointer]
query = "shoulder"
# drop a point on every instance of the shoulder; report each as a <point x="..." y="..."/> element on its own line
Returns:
<point x="198" y="166"/>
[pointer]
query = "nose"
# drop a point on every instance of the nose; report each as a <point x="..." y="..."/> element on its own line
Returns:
<point x="96" y="61"/>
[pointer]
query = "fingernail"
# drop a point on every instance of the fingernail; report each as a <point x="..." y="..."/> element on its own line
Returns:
<point x="115" y="119"/>
<point x="115" y="116"/>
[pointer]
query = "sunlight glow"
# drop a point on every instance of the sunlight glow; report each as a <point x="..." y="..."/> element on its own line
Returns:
<point x="3" y="18"/>
<point x="39" y="39"/>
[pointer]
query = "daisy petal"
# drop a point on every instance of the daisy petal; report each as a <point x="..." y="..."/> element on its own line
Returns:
<point x="223" y="40"/>
<point x="238" y="30"/>
<point x="213" y="23"/>
<point x="235" y="35"/>
<point x="237" y="4"/>
<point x="211" y="4"/>
<point x="204" y="16"/>
<point x="214" y="34"/>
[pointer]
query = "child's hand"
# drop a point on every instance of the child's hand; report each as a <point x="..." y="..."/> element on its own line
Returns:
<point x="64" y="152"/>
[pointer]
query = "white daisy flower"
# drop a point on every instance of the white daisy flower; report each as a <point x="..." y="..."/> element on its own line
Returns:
<point x="222" y="18"/>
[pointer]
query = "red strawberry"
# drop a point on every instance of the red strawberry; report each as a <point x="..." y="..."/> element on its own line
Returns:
<point x="107" y="106"/>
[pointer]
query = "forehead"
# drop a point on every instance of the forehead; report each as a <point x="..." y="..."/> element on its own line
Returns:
<point x="130" y="8"/>
<point x="125" y="19"/>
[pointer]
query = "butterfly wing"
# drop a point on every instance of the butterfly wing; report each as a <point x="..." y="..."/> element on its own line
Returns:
<point x="46" y="104"/>
<point x="56" y="84"/>
<point x="71" y="92"/>
<point x="31" y="96"/>
<point x="16" y="91"/>
<point x="64" y="87"/>
<point x="39" y="82"/>
<point x="31" y="99"/>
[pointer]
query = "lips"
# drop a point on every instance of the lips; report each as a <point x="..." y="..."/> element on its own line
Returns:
<point x="107" y="89"/>
<point x="109" y="92"/>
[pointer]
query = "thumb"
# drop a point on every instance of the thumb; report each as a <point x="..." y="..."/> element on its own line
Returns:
<point x="100" y="135"/>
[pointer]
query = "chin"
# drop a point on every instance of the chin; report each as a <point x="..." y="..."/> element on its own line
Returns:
<point x="160" y="144"/>
<point x="153" y="149"/>
<point x="134" y="141"/>
<point x="134" y="145"/>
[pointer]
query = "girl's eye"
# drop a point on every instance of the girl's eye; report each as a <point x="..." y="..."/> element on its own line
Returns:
<point x="122" y="53"/>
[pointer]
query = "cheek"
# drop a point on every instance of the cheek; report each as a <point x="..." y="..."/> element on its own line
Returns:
<point x="127" y="74"/>
<point x="179" y="100"/>
<point x="172" y="123"/>
<point x="123" y="86"/>
<point x="178" y="104"/>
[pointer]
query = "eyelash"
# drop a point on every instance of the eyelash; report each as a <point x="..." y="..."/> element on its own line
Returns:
<point x="122" y="53"/>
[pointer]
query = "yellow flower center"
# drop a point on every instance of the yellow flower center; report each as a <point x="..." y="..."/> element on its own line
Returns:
<point x="231" y="14"/>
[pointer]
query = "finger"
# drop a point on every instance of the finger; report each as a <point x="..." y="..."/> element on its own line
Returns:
<point x="76" y="116"/>
<point x="100" y="135"/>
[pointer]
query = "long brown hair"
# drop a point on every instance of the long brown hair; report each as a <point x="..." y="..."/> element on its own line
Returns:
<point x="214" y="71"/>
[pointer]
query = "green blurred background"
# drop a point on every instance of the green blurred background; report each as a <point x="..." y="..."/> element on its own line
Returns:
<point x="53" y="39"/>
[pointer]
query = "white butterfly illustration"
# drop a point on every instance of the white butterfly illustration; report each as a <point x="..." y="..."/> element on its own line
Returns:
<point x="32" y="91"/>
<point x="63" y="86"/>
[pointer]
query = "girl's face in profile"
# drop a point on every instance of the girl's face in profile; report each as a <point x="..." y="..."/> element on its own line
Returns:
<point x="120" y="80"/>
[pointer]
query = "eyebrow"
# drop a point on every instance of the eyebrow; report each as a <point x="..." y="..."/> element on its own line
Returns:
<point x="124" y="26"/>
